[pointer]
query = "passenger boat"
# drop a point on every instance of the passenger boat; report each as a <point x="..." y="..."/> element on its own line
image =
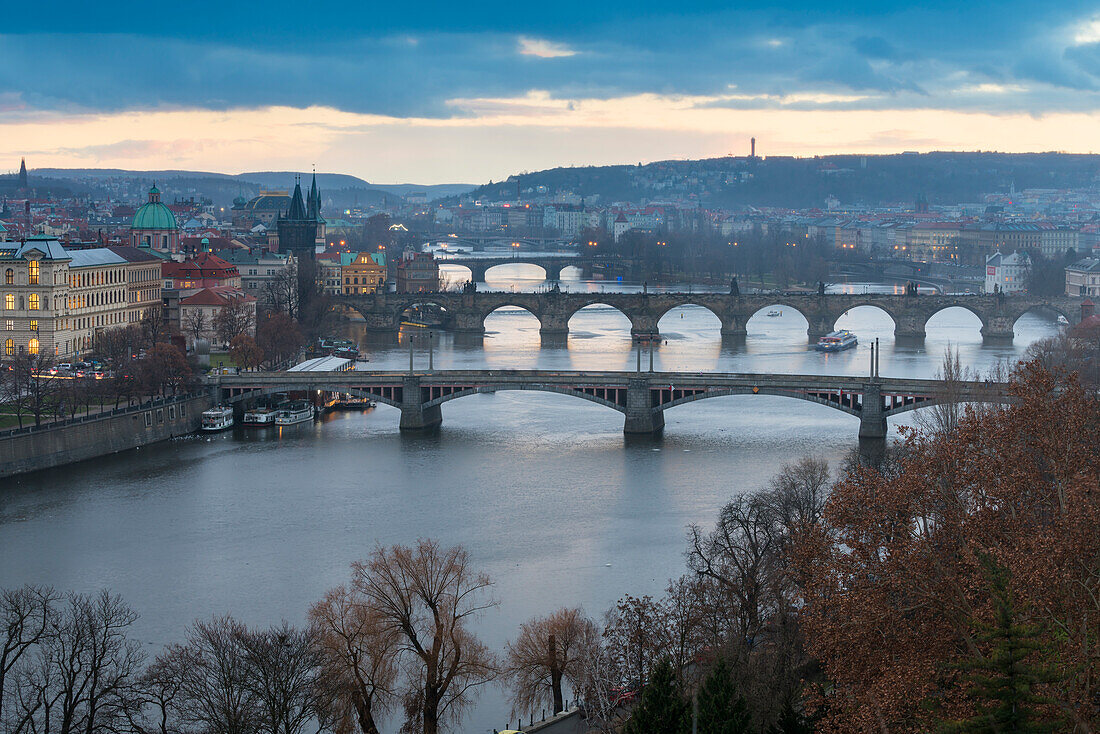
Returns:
<point x="837" y="341"/>
<point x="298" y="411"/>
<point x="259" y="417"/>
<point x="217" y="418"/>
<point x="773" y="314"/>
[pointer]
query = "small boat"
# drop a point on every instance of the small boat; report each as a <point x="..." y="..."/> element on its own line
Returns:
<point x="348" y="403"/>
<point x="217" y="418"/>
<point x="346" y="353"/>
<point x="773" y="314"/>
<point x="259" y="417"/>
<point x="837" y="341"/>
<point x="298" y="411"/>
<point x="1062" y="320"/>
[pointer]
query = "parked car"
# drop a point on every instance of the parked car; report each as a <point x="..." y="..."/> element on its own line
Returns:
<point x="65" y="366"/>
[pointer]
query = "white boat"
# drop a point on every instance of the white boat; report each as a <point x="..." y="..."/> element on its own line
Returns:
<point x="773" y="314"/>
<point x="217" y="418"/>
<point x="299" y="411"/>
<point x="259" y="417"/>
<point x="1062" y="320"/>
<point x="837" y="341"/>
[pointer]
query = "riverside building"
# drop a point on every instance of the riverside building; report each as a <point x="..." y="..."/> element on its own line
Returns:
<point x="56" y="300"/>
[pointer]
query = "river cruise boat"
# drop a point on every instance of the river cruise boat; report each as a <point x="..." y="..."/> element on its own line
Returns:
<point x="217" y="418"/>
<point x="259" y="417"/>
<point x="298" y="411"/>
<point x="837" y="341"/>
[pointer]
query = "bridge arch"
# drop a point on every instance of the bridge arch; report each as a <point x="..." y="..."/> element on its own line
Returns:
<point x="851" y="408"/>
<point x="1042" y="309"/>
<point x="991" y="399"/>
<point x="517" y="261"/>
<point x="956" y="306"/>
<point x="264" y="392"/>
<point x="510" y="308"/>
<point x="607" y="400"/>
<point x="841" y="321"/>
<point x="594" y="307"/>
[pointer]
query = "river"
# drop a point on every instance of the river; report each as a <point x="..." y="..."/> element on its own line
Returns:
<point x="543" y="489"/>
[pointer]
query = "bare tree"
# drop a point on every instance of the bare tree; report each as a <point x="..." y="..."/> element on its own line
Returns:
<point x="35" y="391"/>
<point x="358" y="657"/>
<point x="943" y="417"/>
<point x="152" y="706"/>
<point x="546" y="652"/>
<point x="84" y="668"/>
<point x="154" y="326"/>
<point x="281" y="292"/>
<point x="796" y="497"/>
<point x="195" y="323"/>
<point x="282" y="666"/>
<point x="427" y="595"/>
<point x="27" y="618"/>
<point x="236" y="317"/>
<point x="216" y="694"/>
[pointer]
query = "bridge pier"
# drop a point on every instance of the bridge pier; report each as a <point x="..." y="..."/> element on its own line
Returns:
<point x="643" y="326"/>
<point x="733" y="328"/>
<point x="641" y="417"/>
<point x="414" y="415"/>
<point x="467" y="322"/>
<point x="872" y="415"/>
<point x="553" y="326"/>
<point x="998" y="329"/>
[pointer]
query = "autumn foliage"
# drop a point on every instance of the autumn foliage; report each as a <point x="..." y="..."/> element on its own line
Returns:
<point x="895" y="585"/>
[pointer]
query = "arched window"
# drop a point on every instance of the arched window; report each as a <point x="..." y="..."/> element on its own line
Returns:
<point x="32" y="346"/>
<point x="9" y="348"/>
<point x="34" y="302"/>
<point x="9" y="277"/>
<point x="9" y="302"/>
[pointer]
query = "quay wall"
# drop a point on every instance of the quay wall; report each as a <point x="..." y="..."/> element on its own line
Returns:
<point x="30" y="449"/>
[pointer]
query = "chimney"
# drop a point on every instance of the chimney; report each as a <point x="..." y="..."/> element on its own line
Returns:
<point x="752" y="148"/>
<point x="1088" y="308"/>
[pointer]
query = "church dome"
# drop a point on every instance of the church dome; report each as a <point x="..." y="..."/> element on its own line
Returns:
<point x="154" y="214"/>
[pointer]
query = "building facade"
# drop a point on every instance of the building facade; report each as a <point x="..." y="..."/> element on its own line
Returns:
<point x="1083" y="278"/>
<point x="56" y="301"/>
<point x="1007" y="273"/>
<point x="417" y="272"/>
<point x="365" y="273"/>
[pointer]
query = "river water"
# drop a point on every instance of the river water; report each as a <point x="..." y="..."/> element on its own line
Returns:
<point x="543" y="489"/>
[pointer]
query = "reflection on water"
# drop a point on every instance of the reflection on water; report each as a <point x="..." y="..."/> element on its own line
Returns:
<point x="542" y="488"/>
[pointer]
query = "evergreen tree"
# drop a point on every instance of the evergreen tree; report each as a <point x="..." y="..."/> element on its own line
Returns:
<point x="790" y="722"/>
<point x="721" y="710"/>
<point x="1003" y="681"/>
<point x="662" y="708"/>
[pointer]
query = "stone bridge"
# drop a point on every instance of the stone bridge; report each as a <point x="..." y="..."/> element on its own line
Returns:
<point x="642" y="397"/>
<point x="552" y="265"/>
<point x="466" y="312"/>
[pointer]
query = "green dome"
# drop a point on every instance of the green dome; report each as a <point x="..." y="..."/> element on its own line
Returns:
<point x="154" y="215"/>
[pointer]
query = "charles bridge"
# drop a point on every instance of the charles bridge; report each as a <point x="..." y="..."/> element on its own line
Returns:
<point x="642" y="397"/>
<point x="552" y="265"/>
<point x="466" y="312"/>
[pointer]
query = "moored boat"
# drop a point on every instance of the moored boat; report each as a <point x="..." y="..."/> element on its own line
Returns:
<point x="837" y="341"/>
<point x="218" y="418"/>
<point x="259" y="417"/>
<point x="298" y="411"/>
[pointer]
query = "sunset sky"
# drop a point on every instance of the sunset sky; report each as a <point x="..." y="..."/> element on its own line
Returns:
<point x="435" y="93"/>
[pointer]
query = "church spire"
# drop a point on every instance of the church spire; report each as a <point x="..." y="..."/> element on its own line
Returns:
<point x="22" y="173"/>
<point x="297" y="206"/>
<point x="314" y="198"/>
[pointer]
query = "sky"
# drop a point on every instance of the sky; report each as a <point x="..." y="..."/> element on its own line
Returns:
<point x="445" y="92"/>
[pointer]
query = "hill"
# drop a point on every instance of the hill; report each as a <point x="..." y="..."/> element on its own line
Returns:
<point x="788" y="182"/>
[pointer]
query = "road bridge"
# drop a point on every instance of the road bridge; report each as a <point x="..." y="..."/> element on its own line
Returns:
<point x="642" y="397"/>
<point x="466" y="312"/>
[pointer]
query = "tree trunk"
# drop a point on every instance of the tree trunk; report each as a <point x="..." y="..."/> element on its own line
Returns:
<point x="555" y="676"/>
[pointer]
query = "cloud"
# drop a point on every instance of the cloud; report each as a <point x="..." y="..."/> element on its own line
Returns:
<point x="543" y="49"/>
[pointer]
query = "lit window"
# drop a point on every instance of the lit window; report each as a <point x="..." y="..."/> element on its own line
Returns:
<point x="9" y="277"/>
<point x="10" y="325"/>
<point x="32" y="346"/>
<point x="9" y="302"/>
<point x="33" y="302"/>
<point x="34" y="324"/>
<point x="9" y="348"/>
<point x="33" y="273"/>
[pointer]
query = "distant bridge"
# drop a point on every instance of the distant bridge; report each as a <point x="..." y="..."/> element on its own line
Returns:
<point x="642" y="397"/>
<point x="551" y="265"/>
<point x="466" y="312"/>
